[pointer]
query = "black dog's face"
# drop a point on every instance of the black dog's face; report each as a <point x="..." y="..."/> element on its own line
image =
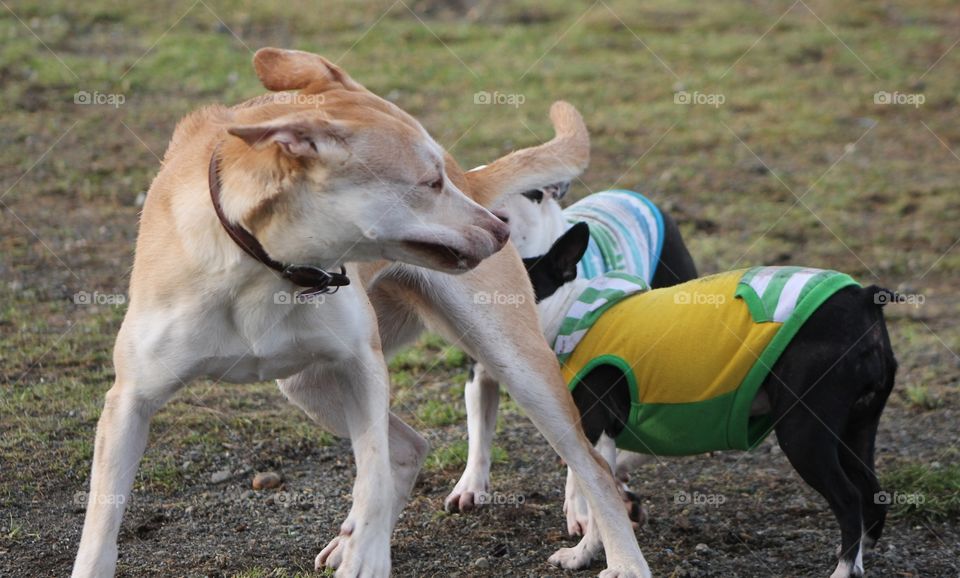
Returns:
<point x="550" y="271"/>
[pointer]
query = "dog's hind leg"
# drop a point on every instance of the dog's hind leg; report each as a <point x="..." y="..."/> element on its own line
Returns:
<point x="575" y="506"/>
<point x="813" y="450"/>
<point x="877" y="371"/>
<point x="857" y="459"/>
<point x="351" y="399"/>
<point x="138" y="393"/>
<point x="482" y="395"/>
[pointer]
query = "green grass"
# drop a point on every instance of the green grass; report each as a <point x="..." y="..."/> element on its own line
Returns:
<point x="454" y="456"/>
<point x="921" y="397"/>
<point x="278" y="573"/>
<point x="436" y="413"/>
<point x="16" y="530"/>
<point x="924" y="492"/>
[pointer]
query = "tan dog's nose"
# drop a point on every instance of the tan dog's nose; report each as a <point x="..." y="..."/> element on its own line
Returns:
<point x="500" y="229"/>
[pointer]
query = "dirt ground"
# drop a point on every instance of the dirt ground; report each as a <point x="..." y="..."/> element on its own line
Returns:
<point x="774" y="132"/>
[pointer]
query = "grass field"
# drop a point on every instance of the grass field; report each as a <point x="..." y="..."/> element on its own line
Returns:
<point x="815" y="133"/>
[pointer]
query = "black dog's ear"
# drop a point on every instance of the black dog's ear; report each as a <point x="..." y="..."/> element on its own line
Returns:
<point x="559" y="265"/>
<point x="567" y="251"/>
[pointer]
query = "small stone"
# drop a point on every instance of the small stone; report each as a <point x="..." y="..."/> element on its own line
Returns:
<point x="701" y="547"/>
<point x="266" y="481"/>
<point x="221" y="476"/>
<point x="481" y="563"/>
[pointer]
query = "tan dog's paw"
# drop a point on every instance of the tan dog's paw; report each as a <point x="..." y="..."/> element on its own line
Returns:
<point x="332" y="555"/>
<point x="351" y="555"/>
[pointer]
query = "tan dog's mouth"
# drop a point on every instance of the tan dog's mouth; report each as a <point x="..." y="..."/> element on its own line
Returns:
<point x="445" y="256"/>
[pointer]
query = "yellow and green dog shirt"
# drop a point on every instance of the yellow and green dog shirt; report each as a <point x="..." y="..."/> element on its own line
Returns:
<point x="694" y="354"/>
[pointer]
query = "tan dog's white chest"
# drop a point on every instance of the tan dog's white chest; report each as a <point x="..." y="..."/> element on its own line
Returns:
<point x="256" y="336"/>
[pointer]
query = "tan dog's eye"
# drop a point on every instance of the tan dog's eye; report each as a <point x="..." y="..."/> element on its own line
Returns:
<point x="436" y="184"/>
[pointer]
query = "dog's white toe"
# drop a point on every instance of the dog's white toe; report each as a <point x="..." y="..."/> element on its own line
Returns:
<point x="331" y="555"/>
<point x="575" y="558"/>
<point x="353" y="555"/>
<point x="468" y="494"/>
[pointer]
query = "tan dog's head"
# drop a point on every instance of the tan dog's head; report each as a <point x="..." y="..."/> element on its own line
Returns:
<point x="336" y="172"/>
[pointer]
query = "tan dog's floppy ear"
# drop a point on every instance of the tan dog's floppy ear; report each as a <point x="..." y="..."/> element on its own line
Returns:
<point x="280" y="69"/>
<point x="297" y="137"/>
<point x="561" y="159"/>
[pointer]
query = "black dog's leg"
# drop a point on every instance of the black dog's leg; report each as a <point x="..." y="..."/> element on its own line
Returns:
<point x="813" y="451"/>
<point x="675" y="265"/>
<point x="856" y="457"/>
<point x="879" y="369"/>
<point x="603" y="398"/>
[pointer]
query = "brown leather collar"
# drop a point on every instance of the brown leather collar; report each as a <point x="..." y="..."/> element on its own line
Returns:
<point x="315" y="279"/>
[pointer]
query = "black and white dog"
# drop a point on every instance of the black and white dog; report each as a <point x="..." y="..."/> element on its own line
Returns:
<point x="823" y="393"/>
<point x="628" y="233"/>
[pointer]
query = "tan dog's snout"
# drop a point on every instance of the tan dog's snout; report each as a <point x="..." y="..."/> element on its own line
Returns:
<point x="499" y="227"/>
<point x="484" y="236"/>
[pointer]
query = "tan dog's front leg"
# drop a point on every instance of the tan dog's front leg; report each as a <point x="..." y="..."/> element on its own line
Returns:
<point x="351" y="399"/>
<point x="507" y="339"/>
<point x="120" y="442"/>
